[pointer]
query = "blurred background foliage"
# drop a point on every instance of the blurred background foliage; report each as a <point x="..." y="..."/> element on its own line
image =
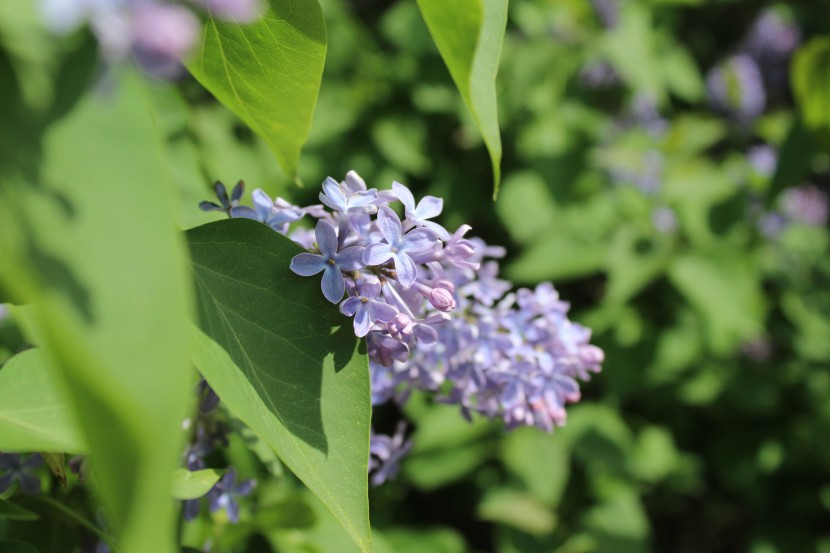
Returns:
<point x="666" y="164"/>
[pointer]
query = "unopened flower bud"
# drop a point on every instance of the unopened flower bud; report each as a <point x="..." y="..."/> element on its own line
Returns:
<point x="442" y="299"/>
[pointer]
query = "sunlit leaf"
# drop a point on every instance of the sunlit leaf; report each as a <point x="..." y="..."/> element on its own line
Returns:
<point x="35" y="413"/>
<point x="469" y="35"/>
<point x="285" y="362"/>
<point x="268" y="72"/>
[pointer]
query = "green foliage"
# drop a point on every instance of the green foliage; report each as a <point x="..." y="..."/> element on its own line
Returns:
<point x="469" y="35"/>
<point x="811" y="82"/>
<point x="35" y="414"/>
<point x="285" y="362"/>
<point x="94" y="291"/>
<point x="268" y="73"/>
<point x="193" y="484"/>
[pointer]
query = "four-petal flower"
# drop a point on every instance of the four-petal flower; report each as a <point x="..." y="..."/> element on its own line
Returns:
<point x="365" y="308"/>
<point x="398" y="246"/>
<point x="427" y="208"/>
<point x="329" y="260"/>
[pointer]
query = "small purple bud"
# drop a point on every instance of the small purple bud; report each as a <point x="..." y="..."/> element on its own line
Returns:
<point x="442" y="299"/>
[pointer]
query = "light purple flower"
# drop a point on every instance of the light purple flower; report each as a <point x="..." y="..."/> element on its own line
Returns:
<point x="276" y="214"/>
<point x="343" y="199"/>
<point x="238" y="11"/>
<point x="365" y="308"/>
<point x="398" y="246"/>
<point x="427" y="208"/>
<point x="386" y="453"/>
<point x="224" y="494"/>
<point x="330" y="261"/>
<point x="225" y="203"/>
<point x="162" y="35"/>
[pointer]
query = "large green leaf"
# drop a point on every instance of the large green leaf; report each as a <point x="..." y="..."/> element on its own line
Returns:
<point x="88" y="233"/>
<point x="811" y="82"/>
<point x="268" y="72"/>
<point x="285" y="361"/>
<point x="35" y="414"/>
<point x="469" y="35"/>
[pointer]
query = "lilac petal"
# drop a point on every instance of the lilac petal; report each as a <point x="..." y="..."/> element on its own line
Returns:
<point x="406" y="269"/>
<point x="351" y="258"/>
<point x="355" y="183"/>
<point x="238" y="190"/>
<point x="418" y="240"/>
<point x="326" y="238"/>
<point x="389" y="224"/>
<point x="244" y="211"/>
<point x="377" y="254"/>
<point x="404" y="195"/>
<point x="442" y="233"/>
<point x="368" y="288"/>
<point x="262" y="201"/>
<point x="29" y="484"/>
<point x="360" y="199"/>
<point x="362" y="323"/>
<point x="333" y="195"/>
<point x="307" y="264"/>
<point x="382" y="312"/>
<point x="332" y="284"/>
<point x="245" y="487"/>
<point x="6" y="482"/>
<point x="232" y="508"/>
<point x="191" y="509"/>
<point x="349" y="307"/>
<point x="429" y="207"/>
<point x="209" y="206"/>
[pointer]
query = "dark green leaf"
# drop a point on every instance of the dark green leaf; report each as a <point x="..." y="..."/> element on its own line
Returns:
<point x="35" y="413"/>
<point x="13" y="512"/>
<point x="285" y="362"/>
<point x="268" y="73"/>
<point x="469" y="35"/>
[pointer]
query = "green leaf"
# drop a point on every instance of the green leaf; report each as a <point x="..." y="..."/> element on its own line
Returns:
<point x="57" y="465"/>
<point x="726" y="293"/>
<point x="35" y="413"/>
<point x="92" y="238"/>
<point x="811" y="82"/>
<point x="194" y="484"/>
<point x="285" y="362"/>
<point x="268" y="72"/>
<point x="518" y="510"/>
<point x="469" y="35"/>
<point x="13" y="512"/>
<point x="540" y="460"/>
<point x="794" y="161"/>
<point x="9" y="546"/>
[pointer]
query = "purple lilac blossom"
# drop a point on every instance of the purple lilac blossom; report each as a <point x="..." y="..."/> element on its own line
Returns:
<point x="224" y="494"/>
<point x="330" y="261"/>
<point x="435" y="315"/>
<point x="157" y="34"/>
<point x="398" y="246"/>
<point x="805" y="204"/>
<point x="385" y="454"/>
<point x="735" y="88"/>
<point x="14" y="468"/>
<point x="225" y="203"/>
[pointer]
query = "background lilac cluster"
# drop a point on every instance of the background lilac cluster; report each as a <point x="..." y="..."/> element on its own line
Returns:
<point x="155" y="33"/>
<point x="435" y="315"/>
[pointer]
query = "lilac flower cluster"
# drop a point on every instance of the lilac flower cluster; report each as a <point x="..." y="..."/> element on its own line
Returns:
<point x="435" y="315"/>
<point x="743" y="84"/>
<point x="156" y="33"/>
